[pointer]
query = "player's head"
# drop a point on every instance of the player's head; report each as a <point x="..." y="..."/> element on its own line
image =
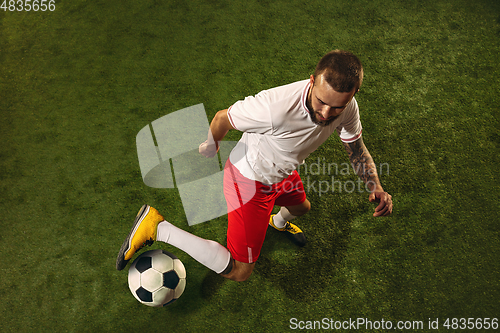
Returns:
<point x="336" y="80"/>
<point x="342" y="70"/>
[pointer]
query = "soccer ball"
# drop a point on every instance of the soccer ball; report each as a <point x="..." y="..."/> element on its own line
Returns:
<point x="157" y="278"/>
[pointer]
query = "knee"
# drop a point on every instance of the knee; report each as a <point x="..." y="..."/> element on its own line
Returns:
<point x="240" y="272"/>
<point x="307" y="206"/>
<point x="301" y="209"/>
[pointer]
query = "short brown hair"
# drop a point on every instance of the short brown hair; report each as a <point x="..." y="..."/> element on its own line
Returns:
<point x="342" y="70"/>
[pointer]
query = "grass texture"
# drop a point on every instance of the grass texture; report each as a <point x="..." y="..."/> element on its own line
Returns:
<point x="78" y="83"/>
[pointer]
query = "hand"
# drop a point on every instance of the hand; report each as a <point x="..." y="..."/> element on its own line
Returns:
<point x="208" y="150"/>
<point x="384" y="199"/>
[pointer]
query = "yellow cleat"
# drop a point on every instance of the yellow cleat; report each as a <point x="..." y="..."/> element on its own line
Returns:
<point x="292" y="231"/>
<point x="143" y="233"/>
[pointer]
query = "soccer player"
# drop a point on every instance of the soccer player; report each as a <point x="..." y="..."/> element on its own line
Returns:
<point x="281" y="127"/>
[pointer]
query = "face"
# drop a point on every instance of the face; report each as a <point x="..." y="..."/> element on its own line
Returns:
<point x="324" y="103"/>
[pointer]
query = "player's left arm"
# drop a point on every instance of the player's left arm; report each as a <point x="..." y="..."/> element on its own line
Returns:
<point x="363" y="165"/>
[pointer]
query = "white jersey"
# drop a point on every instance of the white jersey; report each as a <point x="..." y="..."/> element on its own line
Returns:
<point x="279" y="133"/>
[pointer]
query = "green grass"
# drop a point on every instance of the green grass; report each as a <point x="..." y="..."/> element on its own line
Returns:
<point x="77" y="84"/>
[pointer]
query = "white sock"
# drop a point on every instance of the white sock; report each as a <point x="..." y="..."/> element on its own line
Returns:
<point x="207" y="252"/>
<point x="282" y="217"/>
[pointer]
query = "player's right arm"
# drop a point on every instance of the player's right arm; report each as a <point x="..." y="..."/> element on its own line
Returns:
<point x="219" y="127"/>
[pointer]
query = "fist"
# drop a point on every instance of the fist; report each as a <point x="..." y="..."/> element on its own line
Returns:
<point x="208" y="150"/>
<point x="384" y="199"/>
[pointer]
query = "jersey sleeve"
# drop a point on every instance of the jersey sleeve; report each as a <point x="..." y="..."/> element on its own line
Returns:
<point x="251" y="114"/>
<point x="350" y="129"/>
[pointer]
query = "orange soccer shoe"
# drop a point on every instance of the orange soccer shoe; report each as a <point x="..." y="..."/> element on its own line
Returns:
<point x="143" y="233"/>
<point x="292" y="231"/>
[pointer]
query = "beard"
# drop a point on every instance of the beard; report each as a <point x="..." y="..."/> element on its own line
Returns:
<point x="314" y="117"/>
<point x="314" y="114"/>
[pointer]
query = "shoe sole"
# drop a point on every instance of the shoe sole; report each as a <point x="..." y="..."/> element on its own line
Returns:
<point x="120" y="260"/>
<point x="299" y="241"/>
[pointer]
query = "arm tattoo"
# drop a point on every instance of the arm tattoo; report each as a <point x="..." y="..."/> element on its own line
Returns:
<point x="362" y="163"/>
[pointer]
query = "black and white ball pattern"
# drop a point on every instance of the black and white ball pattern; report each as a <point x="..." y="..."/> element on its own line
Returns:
<point x="157" y="278"/>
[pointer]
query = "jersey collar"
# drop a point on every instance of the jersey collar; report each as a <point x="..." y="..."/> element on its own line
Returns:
<point x="303" y="99"/>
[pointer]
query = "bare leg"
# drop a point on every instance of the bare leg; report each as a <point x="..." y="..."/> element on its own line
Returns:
<point x="301" y="209"/>
<point x="241" y="271"/>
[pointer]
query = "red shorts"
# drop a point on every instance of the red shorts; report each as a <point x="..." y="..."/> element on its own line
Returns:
<point x="250" y="204"/>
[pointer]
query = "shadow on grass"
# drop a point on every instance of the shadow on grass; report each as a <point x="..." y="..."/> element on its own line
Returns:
<point x="303" y="272"/>
<point x="211" y="284"/>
